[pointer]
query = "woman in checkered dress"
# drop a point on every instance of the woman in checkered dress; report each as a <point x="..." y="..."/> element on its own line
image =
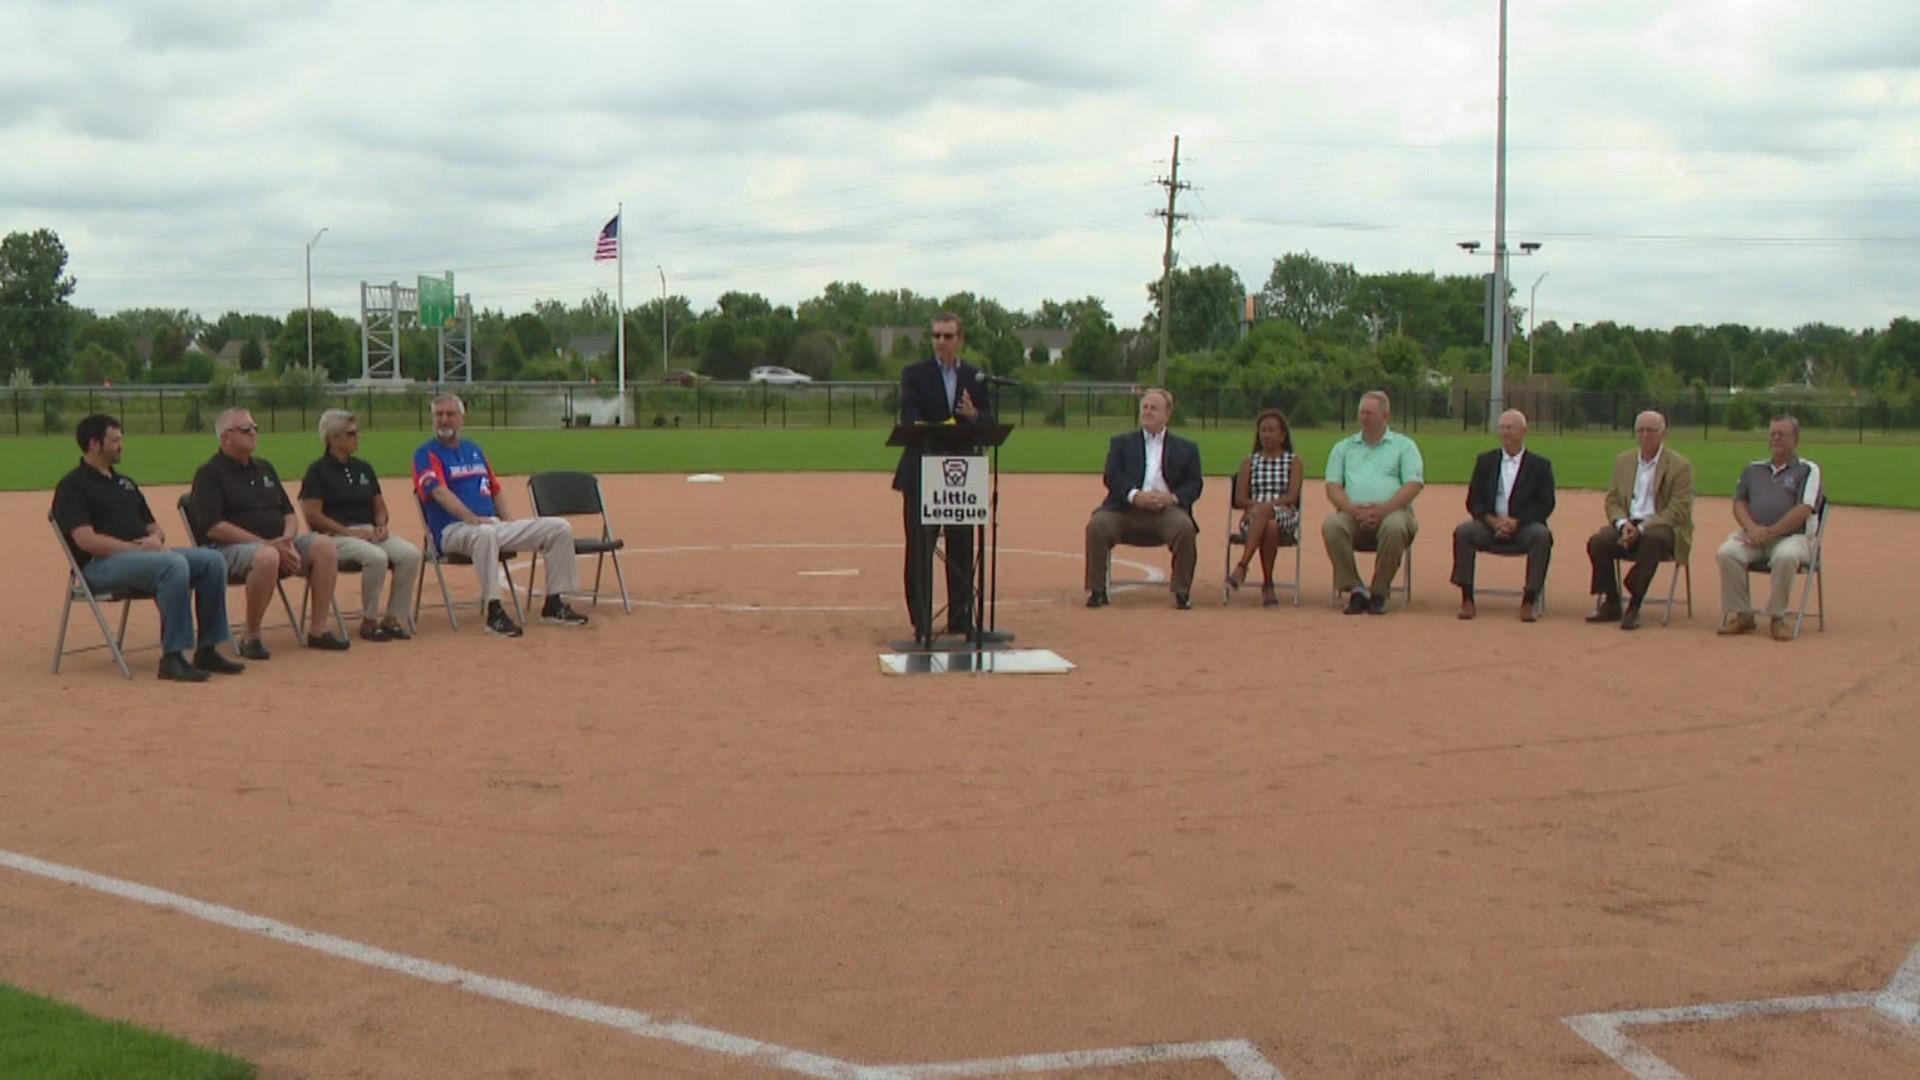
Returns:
<point x="1268" y="489"/>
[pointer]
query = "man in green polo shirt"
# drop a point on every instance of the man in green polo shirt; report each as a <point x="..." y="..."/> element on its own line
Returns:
<point x="1373" y="477"/>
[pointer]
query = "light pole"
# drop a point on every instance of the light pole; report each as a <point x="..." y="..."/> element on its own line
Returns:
<point x="1532" y="297"/>
<point x="663" y="319"/>
<point x="310" y="243"/>
<point x="1496" y="299"/>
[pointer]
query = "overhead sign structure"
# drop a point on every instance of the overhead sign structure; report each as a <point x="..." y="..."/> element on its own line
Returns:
<point x="436" y="302"/>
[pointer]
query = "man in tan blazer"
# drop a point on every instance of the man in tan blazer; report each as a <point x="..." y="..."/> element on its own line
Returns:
<point x="1649" y="519"/>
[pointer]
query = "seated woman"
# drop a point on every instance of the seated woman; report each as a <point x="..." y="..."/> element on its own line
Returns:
<point x="340" y="497"/>
<point x="1268" y="489"/>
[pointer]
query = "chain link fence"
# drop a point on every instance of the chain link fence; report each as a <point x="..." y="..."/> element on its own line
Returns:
<point x="149" y="410"/>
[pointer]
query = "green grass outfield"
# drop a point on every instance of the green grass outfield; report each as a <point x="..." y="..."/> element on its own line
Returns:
<point x="46" y="1040"/>
<point x="1856" y="475"/>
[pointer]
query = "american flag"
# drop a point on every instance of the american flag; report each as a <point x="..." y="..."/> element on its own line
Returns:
<point x="608" y="246"/>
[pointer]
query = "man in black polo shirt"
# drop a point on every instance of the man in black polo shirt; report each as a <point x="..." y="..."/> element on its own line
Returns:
<point x="1774" y="502"/>
<point x="119" y="546"/>
<point x="245" y="514"/>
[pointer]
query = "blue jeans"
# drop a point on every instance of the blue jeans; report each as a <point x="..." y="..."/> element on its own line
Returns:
<point x="180" y="580"/>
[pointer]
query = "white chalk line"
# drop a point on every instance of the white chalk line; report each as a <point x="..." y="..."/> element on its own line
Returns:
<point x="1899" y="1002"/>
<point x="1154" y="576"/>
<point x="1238" y="1056"/>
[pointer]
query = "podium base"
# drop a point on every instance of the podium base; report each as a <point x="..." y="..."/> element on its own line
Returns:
<point x="945" y="643"/>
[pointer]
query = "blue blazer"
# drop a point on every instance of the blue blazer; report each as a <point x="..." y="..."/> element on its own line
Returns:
<point x="923" y="400"/>
<point x="1127" y="469"/>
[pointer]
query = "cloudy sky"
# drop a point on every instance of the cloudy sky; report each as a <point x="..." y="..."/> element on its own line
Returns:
<point x="1681" y="161"/>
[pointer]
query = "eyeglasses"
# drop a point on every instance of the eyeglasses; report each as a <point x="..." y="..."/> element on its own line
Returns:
<point x="943" y="336"/>
<point x="350" y="433"/>
<point x="248" y="429"/>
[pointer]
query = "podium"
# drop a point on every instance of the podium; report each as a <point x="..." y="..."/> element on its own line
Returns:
<point x="955" y="451"/>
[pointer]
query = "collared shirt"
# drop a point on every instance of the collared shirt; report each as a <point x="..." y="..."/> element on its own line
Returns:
<point x="1642" y="508"/>
<point x="1156" y="479"/>
<point x="247" y="495"/>
<point x="1771" y="491"/>
<point x="950" y="378"/>
<point x="108" y="503"/>
<point x="462" y="469"/>
<point x="1509" y="469"/>
<point x="345" y="490"/>
<point x="1373" y="472"/>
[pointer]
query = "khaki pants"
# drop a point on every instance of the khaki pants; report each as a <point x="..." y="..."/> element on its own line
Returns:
<point x="1786" y="555"/>
<point x="1393" y="538"/>
<point x="1173" y="527"/>
<point x="551" y="537"/>
<point x="375" y="561"/>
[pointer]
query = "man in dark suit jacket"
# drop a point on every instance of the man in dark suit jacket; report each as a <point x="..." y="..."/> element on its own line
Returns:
<point x="1153" y="479"/>
<point x="936" y="391"/>
<point x="1509" y="499"/>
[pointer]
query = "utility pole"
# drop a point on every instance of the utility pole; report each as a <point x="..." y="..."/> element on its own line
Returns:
<point x="1173" y="185"/>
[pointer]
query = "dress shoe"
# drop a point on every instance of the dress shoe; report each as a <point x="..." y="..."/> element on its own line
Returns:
<point x="1782" y="628"/>
<point x="208" y="658"/>
<point x="1377" y="605"/>
<point x="373" y="631"/>
<point x="1097" y="599"/>
<point x="328" y="642"/>
<point x="1183" y="601"/>
<point x="1736" y="622"/>
<point x="174" y="668"/>
<point x="1529" y="611"/>
<point x="1630" y="618"/>
<point x="1356" y="603"/>
<point x="1466" y="609"/>
<point x="1605" y="611"/>
<point x="396" y="630"/>
<point x="253" y="649"/>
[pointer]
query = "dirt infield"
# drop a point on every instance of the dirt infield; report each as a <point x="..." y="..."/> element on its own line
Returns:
<point x="709" y="839"/>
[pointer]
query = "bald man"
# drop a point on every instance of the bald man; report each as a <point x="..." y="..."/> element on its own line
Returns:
<point x="1649" y="519"/>
<point x="1509" y="500"/>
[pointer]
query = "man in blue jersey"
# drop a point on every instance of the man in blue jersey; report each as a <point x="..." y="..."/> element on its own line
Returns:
<point x="467" y="515"/>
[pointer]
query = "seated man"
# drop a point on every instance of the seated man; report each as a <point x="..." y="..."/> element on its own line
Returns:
<point x="248" y="518"/>
<point x="1508" y="502"/>
<point x="1650" y="517"/>
<point x="1153" y="479"/>
<point x="119" y="545"/>
<point x="468" y="516"/>
<point x="1774" y="502"/>
<point x="340" y="497"/>
<point x="1373" y="476"/>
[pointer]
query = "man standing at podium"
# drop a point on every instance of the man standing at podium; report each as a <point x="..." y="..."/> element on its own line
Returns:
<point x="938" y="391"/>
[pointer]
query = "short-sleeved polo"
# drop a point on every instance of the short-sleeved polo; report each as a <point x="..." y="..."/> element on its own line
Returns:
<point x="1372" y="473"/>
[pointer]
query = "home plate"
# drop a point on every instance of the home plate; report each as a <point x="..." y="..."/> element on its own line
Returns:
<point x="706" y="478"/>
<point x="828" y="573"/>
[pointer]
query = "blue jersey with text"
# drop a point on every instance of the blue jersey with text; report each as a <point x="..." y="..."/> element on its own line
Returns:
<point x="462" y="469"/>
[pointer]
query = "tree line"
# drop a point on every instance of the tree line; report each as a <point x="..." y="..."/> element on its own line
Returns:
<point x="1317" y="326"/>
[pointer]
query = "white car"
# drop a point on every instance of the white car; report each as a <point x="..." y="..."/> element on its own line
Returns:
<point x="778" y="376"/>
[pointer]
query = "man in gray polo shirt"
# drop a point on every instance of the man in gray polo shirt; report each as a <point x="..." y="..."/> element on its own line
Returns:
<point x="1774" y="504"/>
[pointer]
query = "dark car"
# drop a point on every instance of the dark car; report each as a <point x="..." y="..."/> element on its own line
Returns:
<point x="684" y="377"/>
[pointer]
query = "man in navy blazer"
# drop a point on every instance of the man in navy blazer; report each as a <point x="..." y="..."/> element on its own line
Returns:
<point x="1509" y="499"/>
<point x="1153" y="479"/>
<point x="933" y="392"/>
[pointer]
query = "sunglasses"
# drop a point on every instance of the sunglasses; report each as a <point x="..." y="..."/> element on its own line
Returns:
<point x="350" y="433"/>
<point x="248" y="429"/>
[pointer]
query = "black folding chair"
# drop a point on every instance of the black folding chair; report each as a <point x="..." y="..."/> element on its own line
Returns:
<point x="199" y="536"/>
<point x="577" y="494"/>
<point x="434" y="557"/>
<point x="78" y="589"/>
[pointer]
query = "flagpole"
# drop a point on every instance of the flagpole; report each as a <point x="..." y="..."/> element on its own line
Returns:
<point x="620" y="309"/>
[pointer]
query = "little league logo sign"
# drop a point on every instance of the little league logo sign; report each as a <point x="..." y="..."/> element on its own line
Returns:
<point x="953" y="491"/>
